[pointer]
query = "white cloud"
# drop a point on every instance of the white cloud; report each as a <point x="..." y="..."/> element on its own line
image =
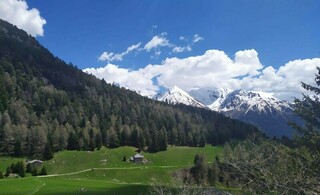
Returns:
<point x="105" y="56"/>
<point x="216" y="69"/>
<point x="197" y="38"/>
<point x="181" y="49"/>
<point x="109" y="57"/>
<point x="182" y="38"/>
<point x="18" y="13"/>
<point x="285" y="82"/>
<point x="156" y="42"/>
<point x="138" y="80"/>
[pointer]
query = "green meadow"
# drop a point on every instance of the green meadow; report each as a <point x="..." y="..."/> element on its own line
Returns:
<point x="103" y="171"/>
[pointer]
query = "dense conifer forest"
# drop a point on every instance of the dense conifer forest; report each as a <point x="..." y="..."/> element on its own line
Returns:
<point x="47" y="105"/>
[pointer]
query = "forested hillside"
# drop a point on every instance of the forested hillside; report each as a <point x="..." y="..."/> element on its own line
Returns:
<point x="46" y="102"/>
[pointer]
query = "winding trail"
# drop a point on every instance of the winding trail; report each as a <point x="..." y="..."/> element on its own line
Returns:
<point x="109" y="168"/>
<point x="38" y="188"/>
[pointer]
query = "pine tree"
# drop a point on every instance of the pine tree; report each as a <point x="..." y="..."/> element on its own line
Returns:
<point x="308" y="109"/>
<point x="1" y="175"/>
<point x="28" y="168"/>
<point x="8" y="171"/>
<point x="17" y="148"/>
<point x="227" y="152"/>
<point x="43" y="171"/>
<point x="13" y="168"/>
<point x="190" y="139"/>
<point x="98" y="141"/>
<point x="199" y="170"/>
<point x="73" y="142"/>
<point x="91" y="145"/>
<point x="34" y="171"/>
<point x="47" y="153"/>
<point x="20" y="166"/>
<point x="202" y="141"/>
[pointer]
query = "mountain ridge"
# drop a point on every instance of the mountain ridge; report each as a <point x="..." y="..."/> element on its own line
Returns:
<point x="255" y="107"/>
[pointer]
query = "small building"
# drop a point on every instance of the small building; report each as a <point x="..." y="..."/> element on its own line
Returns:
<point x="34" y="163"/>
<point x="138" y="158"/>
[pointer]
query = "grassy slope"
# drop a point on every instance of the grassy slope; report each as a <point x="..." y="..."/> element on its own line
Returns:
<point x="110" y="175"/>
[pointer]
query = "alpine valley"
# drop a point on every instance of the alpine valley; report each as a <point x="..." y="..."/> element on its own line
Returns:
<point x="261" y="109"/>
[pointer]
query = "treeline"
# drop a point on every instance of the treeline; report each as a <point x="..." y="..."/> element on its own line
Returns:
<point x="45" y="102"/>
<point x="21" y="168"/>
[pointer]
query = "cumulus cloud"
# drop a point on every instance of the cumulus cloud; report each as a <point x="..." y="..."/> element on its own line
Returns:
<point x="215" y="69"/>
<point x="197" y="38"/>
<point x="181" y="49"/>
<point x="18" y="13"/>
<point x="156" y="42"/>
<point x="285" y="82"/>
<point x="138" y="80"/>
<point x="109" y="57"/>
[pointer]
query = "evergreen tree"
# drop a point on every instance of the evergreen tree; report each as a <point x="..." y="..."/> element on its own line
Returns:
<point x="213" y="173"/>
<point x="202" y="141"/>
<point x="199" y="170"/>
<point x="308" y="109"/>
<point x="1" y="175"/>
<point x="20" y="168"/>
<point x="43" y="171"/>
<point x="91" y="145"/>
<point x="17" y="148"/>
<point x="163" y="140"/>
<point x="8" y="171"/>
<point x="190" y="139"/>
<point x="142" y="141"/>
<point x="28" y="168"/>
<point x="73" y="142"/>
<point x="113" y="138"/>
<point x="98" y="141"/>
<point x="124" y="159"/>
<point x="47" y="153"/>
<point x="13" y="168"/>
<point x="154" y="144"/>
<point x="34" y="171"/>
<point x="227" y="152"/>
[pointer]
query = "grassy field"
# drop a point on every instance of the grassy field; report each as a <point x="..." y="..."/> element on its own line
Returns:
<point x="103" y="171"/>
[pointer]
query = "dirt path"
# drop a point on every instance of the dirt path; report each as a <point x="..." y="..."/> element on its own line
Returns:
<point x="110" y="168"/>
<point x="38" y="189"/>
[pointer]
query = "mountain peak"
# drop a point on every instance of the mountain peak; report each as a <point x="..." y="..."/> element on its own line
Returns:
<point x="176" y="95"/>
<point x="256" y="107"/>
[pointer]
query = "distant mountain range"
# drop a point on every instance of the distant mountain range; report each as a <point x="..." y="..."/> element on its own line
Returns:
<point x="258" y="108"/>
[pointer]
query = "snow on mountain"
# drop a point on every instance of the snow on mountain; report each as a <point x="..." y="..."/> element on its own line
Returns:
<point x="258" y="108"/>
<point x="245" y="101"/>
<point x="176" y="95"/>
<point x="212" y="98"/>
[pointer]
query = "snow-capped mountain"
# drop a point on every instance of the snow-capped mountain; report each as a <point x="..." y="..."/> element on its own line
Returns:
<point x="212" y="98"/>
<point x="261" y="109"/>
<point x="258" y="108"/>
<point x="176" y="95"/>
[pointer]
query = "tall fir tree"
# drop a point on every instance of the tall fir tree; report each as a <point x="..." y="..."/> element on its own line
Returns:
<point x="47" y="152"/>
<point x="308" y="109"/>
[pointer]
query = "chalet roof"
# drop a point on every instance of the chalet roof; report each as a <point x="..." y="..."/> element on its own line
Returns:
<point x="138" y="156"/>
<point x="34" y="161"/>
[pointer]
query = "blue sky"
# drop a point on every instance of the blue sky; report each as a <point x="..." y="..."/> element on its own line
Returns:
<point x="271" y="32"/>
<point x="78" y="31"/>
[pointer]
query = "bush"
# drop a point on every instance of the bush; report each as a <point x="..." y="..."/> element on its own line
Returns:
<point x="34" y="172"/>
<point x="43" y="171"/>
